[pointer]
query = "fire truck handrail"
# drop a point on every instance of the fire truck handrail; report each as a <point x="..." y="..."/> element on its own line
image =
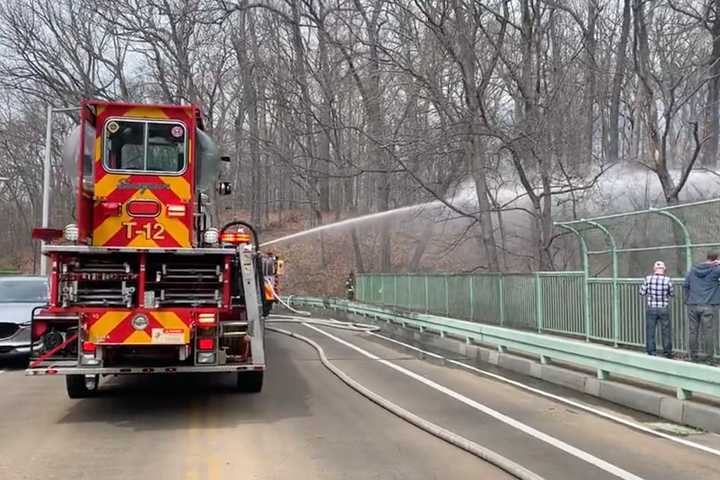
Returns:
<point x="56" y="317"/>
<point x="107" y="250"/>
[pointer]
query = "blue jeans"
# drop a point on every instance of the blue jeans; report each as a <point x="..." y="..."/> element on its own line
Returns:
<point x="653" y="318"/>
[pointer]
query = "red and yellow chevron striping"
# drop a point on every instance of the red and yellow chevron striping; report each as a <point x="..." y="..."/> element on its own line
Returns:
<point x="114" y="226"/>
<point x="114" y="327"/>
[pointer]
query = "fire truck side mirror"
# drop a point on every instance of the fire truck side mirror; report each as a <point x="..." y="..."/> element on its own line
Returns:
<point x="224" y="188"/>
<point x="225" y="158"/>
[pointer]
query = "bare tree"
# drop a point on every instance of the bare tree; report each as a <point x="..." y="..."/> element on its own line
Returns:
<point x="675" y="82"/>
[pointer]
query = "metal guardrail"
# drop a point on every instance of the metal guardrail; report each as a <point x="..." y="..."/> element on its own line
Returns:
<point x="684" y="377"/>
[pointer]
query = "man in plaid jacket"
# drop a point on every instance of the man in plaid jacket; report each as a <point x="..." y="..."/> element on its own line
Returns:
<point x="657" y="290"/>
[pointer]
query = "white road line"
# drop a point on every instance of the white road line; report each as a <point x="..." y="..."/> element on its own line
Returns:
<point x="567" y="401"/>
<point x="576" y="452"/>
<point x="514" y="469"/>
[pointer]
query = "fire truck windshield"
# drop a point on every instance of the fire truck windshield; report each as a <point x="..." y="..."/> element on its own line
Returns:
<point x="137" y="146"/>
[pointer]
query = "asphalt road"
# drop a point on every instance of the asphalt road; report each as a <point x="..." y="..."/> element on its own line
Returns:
<point x="306" y="424"/>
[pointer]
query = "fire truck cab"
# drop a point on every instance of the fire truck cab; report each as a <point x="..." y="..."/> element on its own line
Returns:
<point x="142" y="282"/>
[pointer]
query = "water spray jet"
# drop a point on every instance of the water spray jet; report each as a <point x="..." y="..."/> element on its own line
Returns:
<point x="352" y="221"/>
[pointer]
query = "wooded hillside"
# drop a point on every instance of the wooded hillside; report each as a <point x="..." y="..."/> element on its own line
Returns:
<point x="337" y="108"/>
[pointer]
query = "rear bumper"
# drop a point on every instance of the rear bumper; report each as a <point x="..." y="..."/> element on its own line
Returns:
<point x="15" y="352"/>
<point x="17" y="345"/>
<point x="73" y="370"/>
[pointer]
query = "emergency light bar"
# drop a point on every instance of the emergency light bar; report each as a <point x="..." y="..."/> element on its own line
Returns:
<point x="236" y="238"/>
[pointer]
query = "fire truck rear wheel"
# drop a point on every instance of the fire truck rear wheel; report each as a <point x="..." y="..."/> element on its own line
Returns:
<point x="250" y="382"/>
<point x="80" y="387"/>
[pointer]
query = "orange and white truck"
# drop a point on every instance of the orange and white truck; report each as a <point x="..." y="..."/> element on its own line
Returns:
<point x="141" y="282"/>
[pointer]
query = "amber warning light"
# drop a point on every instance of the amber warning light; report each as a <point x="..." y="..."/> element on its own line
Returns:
<point x="236" y="238"/>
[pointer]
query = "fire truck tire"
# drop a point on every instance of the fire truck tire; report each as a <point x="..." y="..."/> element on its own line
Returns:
<point x="77" y="386"/>
<point x="250" y="382"/>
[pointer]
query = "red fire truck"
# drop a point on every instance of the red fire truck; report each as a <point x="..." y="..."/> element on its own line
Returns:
<point x="142" y="283"/>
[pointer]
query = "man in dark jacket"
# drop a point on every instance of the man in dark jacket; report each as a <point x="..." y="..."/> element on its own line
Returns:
<point x="702" y="296"/>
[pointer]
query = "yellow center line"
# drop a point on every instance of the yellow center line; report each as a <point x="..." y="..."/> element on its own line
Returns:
<point x="213" y="459"/>
<point x="195" y="450"/>
<point x="214" y="464"/>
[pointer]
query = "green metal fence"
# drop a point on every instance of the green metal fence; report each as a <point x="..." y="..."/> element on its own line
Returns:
<point x="547" y="302"/>
<point x="600" y="302"/>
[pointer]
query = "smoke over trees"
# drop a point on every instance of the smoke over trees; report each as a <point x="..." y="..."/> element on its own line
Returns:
<point x="333" y="108"/>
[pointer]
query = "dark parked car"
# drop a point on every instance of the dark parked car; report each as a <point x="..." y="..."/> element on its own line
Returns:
<point x="18" y="296"/>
